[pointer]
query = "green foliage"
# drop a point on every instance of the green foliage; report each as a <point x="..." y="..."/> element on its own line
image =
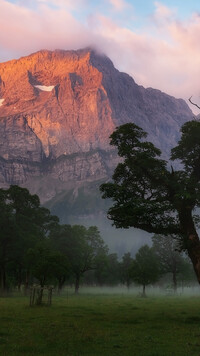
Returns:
<point x="125" y="269"/>
<point x="186" y="274"/>
<point x="112" y="267"/>
<point x="171" y="260"/>
<point x="145" y="267"/>
<point x="167" y="250"/>
<point x="139" y="188"/>
<point x="45" y="263"/>
<point x="34" y="247"/>
<point x="23" y="222"/>
<point x="188" y="148"/>
<point x="145" y="194"/>
<point x="83" y="247"/>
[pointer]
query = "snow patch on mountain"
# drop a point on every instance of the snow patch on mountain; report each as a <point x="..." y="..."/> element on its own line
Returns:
<point x="45" y="87"/>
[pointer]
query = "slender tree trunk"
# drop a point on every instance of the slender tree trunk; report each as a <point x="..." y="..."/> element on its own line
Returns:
<point x="19" y="282"/>
<point x="128" y="282"/>
<point x="26" y="284"/>
<point x="174" y="276"/>
<point x="61" y="282"/>
<point x="143" y="291"/>
<point x="41" y="291"/>
<point x="59" y="288"/>
<point x="40" y="295"/>
<point x="3" y="278"/>
<point x="77" y="283"/>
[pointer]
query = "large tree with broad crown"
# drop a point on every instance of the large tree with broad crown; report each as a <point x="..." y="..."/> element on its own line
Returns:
<point x="150" y="196"/>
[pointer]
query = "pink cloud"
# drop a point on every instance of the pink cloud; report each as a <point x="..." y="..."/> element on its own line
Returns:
<point x="27" y="30"/>
<point x="119" y="5"/>
<point x="162" y="12"/>
<point x="167" y="60"/>
<point x="165" y="55"/>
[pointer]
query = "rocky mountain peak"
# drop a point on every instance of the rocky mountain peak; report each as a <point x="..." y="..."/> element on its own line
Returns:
<point x="58" y="109"/>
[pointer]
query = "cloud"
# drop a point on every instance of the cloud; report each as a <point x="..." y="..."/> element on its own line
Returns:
<point x="164" y="54"/>
<point x="163" y="13"/>
<point x="26" y="30"/>
<point x="119" y="5"/>
<point x="67" y="4"/>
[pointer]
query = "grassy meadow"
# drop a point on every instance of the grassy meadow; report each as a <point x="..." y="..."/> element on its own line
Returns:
<point x="101" y="324"/>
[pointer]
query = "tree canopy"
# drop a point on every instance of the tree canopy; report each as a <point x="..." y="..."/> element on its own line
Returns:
<point x="23" y="222"/>
<point x="145" y="267"/>
<point x="170" y="259"/>
<point x="35" y="247"/>
<point x="148" y="195"/>
<point x="82" y="246"/>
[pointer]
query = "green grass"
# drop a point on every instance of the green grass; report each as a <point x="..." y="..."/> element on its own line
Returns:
<point x="101" y="325"/>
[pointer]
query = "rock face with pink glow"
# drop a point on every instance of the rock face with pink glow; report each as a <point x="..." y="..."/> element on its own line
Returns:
<point x="57" y="110"/>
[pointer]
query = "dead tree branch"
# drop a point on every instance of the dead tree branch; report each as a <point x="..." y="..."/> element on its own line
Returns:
<point x="193" y="103"/>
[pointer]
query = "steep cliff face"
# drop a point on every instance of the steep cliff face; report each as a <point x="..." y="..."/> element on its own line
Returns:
<point x="57" y="110"/>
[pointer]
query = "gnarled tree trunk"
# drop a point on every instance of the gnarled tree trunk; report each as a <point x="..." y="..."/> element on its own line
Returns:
<point x="191" y="238"/>
<point x="194" y="254"/>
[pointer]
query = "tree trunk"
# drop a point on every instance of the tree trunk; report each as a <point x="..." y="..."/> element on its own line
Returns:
<point x="40" y="291"/>
<point x="77" y="283"/>
<point x="143" y="291"/>
<point x="19" y="279"/>
<point x="174" y="280"/>
<point x="194" y="254"/>
<point x="192" y="238"/>
<point x="128" y="282"/>
<point x="26" y="283"/>
<point x="61" y="282"/>
<point x="40" y="295"/>
<point x="3" y="279"/>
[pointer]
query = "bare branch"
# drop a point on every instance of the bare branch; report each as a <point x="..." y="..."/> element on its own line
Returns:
<point x="193" y="103"/>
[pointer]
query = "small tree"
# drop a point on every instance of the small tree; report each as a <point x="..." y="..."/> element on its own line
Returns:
<point x="44" y="265"/>
<point x="82" y="247"/>
<point x="112" y="270"/>
<point x="23" y="222"/>
<point x="145" y="268"/>
<point x="125" y="268"/>
<point x="186" y="274"/>
<point x="7" y="238"/>
<point x="170" y="259"/>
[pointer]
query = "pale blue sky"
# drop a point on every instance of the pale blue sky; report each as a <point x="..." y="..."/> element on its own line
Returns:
<point x="142" y="7"/>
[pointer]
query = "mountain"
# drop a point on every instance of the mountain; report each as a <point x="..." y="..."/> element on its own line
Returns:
<point x="57" y="110"/>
